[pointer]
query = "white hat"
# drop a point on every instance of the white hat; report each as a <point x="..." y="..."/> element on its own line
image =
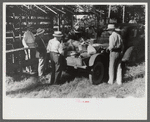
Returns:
<point x="39" y="31"/>
<point x="111" y="27"/>
<point x="58" y="34"/>
<point x="117" y="29"/>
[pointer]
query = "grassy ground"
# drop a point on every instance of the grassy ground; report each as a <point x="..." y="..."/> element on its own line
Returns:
<point x="30" y="86"/>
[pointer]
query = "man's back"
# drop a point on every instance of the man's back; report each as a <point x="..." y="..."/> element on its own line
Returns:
<point x="115" y="40"/>
<point x="41" y="47"/>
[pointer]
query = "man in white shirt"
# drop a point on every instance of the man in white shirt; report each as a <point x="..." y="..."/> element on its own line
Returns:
<point x="28" y="41"/>
<point x="116" y="49"/>
<point x="55" y="49"/>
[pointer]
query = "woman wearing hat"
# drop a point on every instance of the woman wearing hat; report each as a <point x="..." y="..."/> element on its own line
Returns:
<point x="116" y="48"/>
<point x="55" y="49"/>
<point x="41" y="51"/>
<point x="28" y="41"/>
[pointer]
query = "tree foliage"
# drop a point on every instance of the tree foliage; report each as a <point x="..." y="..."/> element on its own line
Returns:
<point x="137" y="11"/>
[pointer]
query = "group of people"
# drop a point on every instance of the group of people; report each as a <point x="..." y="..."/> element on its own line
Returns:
<point x="38" y="49"/>
<point x="55" y="50"/>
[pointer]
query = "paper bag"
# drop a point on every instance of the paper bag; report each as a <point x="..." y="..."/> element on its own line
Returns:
<point x="91" y="50"/>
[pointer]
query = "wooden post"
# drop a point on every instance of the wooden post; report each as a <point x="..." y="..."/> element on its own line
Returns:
<point x="58" y="22"/>
<point x="26" y="19"/>
<point x="123" y="14"/>
<point x="109" y="13"/>
<point x="13" y="27"/>
<point x="27" y="22"/>
<point x="72" y="21"/>
<point x="13" y="32"/>
<point x="20" y="30"/>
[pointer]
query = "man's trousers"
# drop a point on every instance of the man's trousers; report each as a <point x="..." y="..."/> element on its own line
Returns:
<point x="41" y="65"/>
<point x="115" y="69"/>
<point x="30" y="54"/>
<point x="56" y="63"/>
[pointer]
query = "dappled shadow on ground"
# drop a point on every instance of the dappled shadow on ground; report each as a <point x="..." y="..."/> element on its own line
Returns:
<point x="130" y="78"/>
<point x="66" y="78"/>
<point x="17" y="77"/>
<point x="34" y="86"/>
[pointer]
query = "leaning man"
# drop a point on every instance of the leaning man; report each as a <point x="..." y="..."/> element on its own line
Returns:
<point x="41" y="51"/>
<point x="56" y="52"/>
<point x="116" y="49"/>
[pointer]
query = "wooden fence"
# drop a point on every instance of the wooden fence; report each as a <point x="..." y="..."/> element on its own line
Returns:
<point x="17" y="17"/>
<point x="15" y="60"/>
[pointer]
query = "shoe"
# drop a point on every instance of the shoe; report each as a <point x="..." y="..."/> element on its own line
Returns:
<point x="119" y="83"/>
<point x="110" y="82"/>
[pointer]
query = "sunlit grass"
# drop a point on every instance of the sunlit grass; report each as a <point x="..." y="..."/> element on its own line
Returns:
<point x="80" y="87"/>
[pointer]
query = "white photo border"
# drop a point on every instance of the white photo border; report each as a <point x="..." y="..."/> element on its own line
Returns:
<point x="74" y="109"/>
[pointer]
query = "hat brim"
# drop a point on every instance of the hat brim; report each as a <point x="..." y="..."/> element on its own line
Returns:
<point x="117" y="29"/>
<point x="57" y="35"/>
<point x="108" y="29"/>
<point x="77" y="31"/>
<point x="40" y="32"/>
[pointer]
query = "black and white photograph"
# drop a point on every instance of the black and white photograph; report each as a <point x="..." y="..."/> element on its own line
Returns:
<point x="76" y="55"/>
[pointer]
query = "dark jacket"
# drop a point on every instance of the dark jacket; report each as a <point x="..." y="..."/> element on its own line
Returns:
<point x="40" y="47"/>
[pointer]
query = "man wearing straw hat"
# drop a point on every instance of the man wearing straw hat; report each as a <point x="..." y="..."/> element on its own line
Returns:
<point x="28" y="41"/>
<point x="41" y="51"/>
<point x="56" y="51"/>
<point x="116" y="49"/>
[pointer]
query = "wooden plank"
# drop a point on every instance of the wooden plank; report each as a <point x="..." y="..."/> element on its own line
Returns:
<point x="14" y="50"/>
<point x="11" y="38"/>
<point x="9" y="34"/>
